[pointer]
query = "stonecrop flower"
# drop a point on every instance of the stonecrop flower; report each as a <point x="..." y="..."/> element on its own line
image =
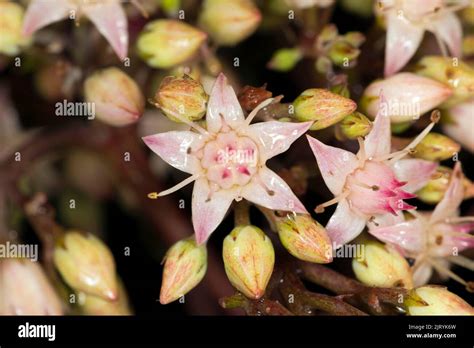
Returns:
<point x="407" y="21"/>
<point x="107" y="15"/>
<point x="434" y="239"/>
<point x="227" y="159"/>
<point x="372" y="185"/>
<point x="461" y="124"/>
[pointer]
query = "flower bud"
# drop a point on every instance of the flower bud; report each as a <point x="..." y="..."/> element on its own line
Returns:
<point x="436" y="147"/>
<point x="468" y="45"/>
<point x="185" y="266"/>
<point x="304" y="4"/>
<point x="51" y="80"/>
<point x="86" y="264"/>
<point x="436" y="187"/>
<point x="468" y="15"/>
<point x="181" y="96"/>
<point x="342" y="53"/>
<point x="285" y="59"/>
<point x="12" y="39"/>
<point x="166" y="42"/>
<point x="408" y="96"/>
<point x="355" y="125"/>
<point x="323" y="107"/>
<point x="248" y="259"/>
<point x="117" y="98"/>
<point x="229" y="22"/>
<point x="93" y="305"/>
<point x="452" y="72"/>
<point x="436" y="300"/>
<point x="25" y="290"/>
<point x="380" y="265"/>
<point x="305" y="238"/>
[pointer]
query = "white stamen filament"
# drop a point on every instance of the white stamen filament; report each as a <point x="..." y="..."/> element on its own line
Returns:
<point x="178" y="186"/>
<point x="413" y="143"/>
<point x="441" y="44"/>
<point x="462" y="261"/>
<point x="182" y="119"/>
<point x="446" y="272"/>
<point x="140" y="8"/>
<point x="259" y="107"/>
<point x="361" y="154"/>
<point x="458" y="219"/>
<point x="320" y="207"/>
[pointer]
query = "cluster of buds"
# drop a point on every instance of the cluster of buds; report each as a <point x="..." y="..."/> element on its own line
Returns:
<point x="88" y="267"/>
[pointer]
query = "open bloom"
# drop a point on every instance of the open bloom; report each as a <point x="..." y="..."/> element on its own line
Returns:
<point x="434" y="239"/>
<point x="107" y="15"/>
<point x="227" y="160"/>
<point x="407" y="20"/>
<point x="372" y="185"/>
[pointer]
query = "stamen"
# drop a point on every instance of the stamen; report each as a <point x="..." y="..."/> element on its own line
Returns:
<point x="441" y="44"/>
<point x="361" y="153"/>
<point x="455" y="220"/>
<point x="140" y="8"/>
<point x="462" y="261"/>
<point x="259" y="107"/>
<point x="401" y="153"/>
<point x="320" y="208"/>
<point x="418" y="139"/>
<point x="447" y="272"/>
<point x="154" y="195"/>
<point x="181" y="118"/>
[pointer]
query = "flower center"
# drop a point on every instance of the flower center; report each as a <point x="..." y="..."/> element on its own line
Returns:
<point x="230" y="159"/>
<point x="374" y="189"/>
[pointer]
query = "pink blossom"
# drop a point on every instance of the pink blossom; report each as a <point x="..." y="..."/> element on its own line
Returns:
<point x="461" y="127"/>
<point x="227" y="160"/>
<point x="108" y="16"/>
<point x="433" y="239"/>
<point x="372" y="185"/>
<point x="407" y="21"/>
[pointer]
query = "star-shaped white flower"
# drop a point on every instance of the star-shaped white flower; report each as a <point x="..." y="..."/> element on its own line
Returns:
<point x="227" y="160"/>
<point x="434" y="239"/>
<point x="107" y="15"/>
<point x="407" y="21"/>
<point x="369" y="187"/>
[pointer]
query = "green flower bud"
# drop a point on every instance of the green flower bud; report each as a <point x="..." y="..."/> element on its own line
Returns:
<point x="323" y="107"/>
<point x="165" y="42"/>
<point x="355" y="125"/>
<point x="452" y="72"/>
<point x="355" y="38"/>
<point x="436" y="187"/>
<point x="86" y="264"/>
<point x="248" y="259"/>
<point x="93" y="305"/>
<point x="229" y="21"/>
<point x="436" y="300"/>
<point x="305" y="238"/>
<point x="285" y="59"/>
<point x="181" y="96"/>
<point x="436" y="147"/>
<point x="185" y="266"/>
<point x="342" y="53"/>
<point x="380" y="265"/>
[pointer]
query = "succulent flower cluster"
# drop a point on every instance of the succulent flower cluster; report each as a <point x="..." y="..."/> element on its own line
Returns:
<point x="299" y="191"/>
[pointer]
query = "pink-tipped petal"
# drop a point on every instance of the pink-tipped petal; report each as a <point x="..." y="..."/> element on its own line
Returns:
<point x="223" y="107"/>
<point x="378" y="141"/>
<point x="269" y="190"/>
<point x="453" y="197"/>
<point x="344" y="225"/>
<point x="403" y="39"/>
<point x="335" y="164"/>
<point x="275" y="137"/>
<point x="408" y="235"/>
<point x="40" y="13"/>
<point x="175" y="147"/>
<point x="208" y="208"/>
<point x="449" y="29"/>
<point x="462" y="124"/>
<point x="415" y="172"/>
<point x="110" y="19"/>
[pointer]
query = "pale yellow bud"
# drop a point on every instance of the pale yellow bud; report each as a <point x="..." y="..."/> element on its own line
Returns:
<point x="248" y="259"/>
<point x="93" y="305"/>
<point x="86" y="264"/>
<point x="185" y="266"/>
<point x="11" y="21"/>
<point x="436" y="300"/>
